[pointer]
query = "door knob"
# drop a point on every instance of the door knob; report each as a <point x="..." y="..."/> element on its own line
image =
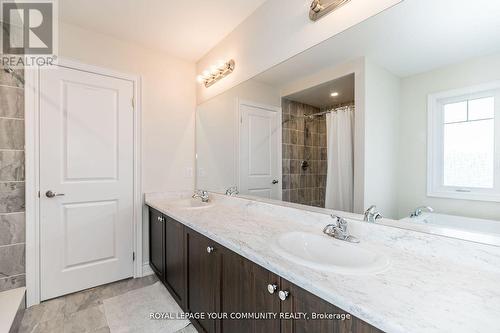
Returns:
<point x="275" y="181"/>
<point x="283" y="295"/>
<point x="50" y="194"/>
<point x="272" y="288"/>
<point x="210" y="249"/>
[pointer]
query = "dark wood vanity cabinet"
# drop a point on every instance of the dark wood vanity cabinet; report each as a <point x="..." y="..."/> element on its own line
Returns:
<point x="205" y="277"/>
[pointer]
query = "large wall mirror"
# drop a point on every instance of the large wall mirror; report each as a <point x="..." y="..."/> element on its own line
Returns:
<point x="401" y="111"/>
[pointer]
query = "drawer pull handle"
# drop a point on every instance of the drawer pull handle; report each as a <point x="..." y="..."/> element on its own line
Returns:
<point x="283" y="295"/>
<point x="272" y="288"/>
<point x="210" y="249"/>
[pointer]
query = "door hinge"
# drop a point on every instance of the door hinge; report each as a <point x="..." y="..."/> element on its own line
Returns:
<point x="133" y="102"/>
<point x="133" y="256"/>
<point x="39" y="194"/>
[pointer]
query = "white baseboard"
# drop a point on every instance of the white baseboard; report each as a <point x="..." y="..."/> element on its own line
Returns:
<point x="146" y="269"/>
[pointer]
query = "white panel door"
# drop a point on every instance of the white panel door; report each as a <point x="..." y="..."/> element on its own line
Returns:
<point x="86" y="159"/>
<point x="259" y="153"/>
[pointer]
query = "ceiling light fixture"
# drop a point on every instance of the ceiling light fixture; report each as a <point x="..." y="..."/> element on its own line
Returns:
<point x="320" y="9"/>
<point x="334" y="94"/>
<point x="216" y="72"/>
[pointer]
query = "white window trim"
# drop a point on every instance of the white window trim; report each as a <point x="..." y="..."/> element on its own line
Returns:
<point x="435" y="144"/>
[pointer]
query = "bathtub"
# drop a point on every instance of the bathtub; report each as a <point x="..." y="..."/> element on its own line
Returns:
<point x="460" y="222"/>
<point x="478" y="230"/>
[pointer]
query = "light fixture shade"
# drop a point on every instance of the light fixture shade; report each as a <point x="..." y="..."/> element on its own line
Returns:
<point x="216" y="72"/>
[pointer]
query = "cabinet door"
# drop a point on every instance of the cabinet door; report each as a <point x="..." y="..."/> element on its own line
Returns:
<point x="301" y="301"/>
<point x="175" y="261"/>
<point x="203" y="278"/>
<point x="157" y="243"/>
<point x="244" y="289"/>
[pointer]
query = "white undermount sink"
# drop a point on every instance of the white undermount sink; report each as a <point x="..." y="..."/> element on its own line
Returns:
<point x="191" y="204"/>
<point x="328" y="254"/>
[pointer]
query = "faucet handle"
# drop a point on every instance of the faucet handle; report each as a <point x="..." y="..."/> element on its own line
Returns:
<point x="371" y="214"/>
<point x="340" y="221"/>
<point x="419" y="210"/>
<point x="200" y="194"/>
<point x="329" y="229"/>
<point x="231" y="191"/>
<point x="338" y="230"/>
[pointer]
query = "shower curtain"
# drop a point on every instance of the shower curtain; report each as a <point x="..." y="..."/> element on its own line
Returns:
<point x="340" y="144"/>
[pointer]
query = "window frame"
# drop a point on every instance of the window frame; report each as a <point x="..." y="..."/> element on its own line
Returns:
<point x="435" y="144"/>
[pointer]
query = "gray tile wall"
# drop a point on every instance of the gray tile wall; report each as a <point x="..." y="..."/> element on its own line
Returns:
<point x="12" y="221"/>
<point x="303" y="140"/>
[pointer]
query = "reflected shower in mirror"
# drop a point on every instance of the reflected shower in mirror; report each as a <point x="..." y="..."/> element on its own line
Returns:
<point x="317" y="155"/>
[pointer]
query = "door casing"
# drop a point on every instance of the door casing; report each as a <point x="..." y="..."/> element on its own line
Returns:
<point x="32" y="178"/>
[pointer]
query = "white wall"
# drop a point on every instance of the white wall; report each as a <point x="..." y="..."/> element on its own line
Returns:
<point x="276" y="31"/>
<point x="382" y="93"/>
<point x="413" y="135"/>
<point x="217" y="133"/>
<point x="168" y="105"/>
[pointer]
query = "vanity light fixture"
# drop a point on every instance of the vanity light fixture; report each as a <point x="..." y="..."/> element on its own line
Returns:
<point x="334" y="94"/>
<point x="320" y="9"/>
<point x="216" y="72"/>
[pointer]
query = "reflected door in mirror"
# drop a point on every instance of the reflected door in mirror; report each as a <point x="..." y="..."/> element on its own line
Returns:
<point x="259" y="151"/>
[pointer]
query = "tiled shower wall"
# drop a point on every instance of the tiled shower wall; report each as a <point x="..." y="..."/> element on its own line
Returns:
<point x="303" y="140"/>
<point x="12" y="221"/>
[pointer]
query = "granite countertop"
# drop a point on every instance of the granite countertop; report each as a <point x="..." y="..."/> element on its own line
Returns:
<point x="434" y="283"/>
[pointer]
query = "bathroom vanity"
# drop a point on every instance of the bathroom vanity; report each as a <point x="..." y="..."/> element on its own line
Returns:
<point x="205" y="277"/>
<point x="221" y="257"/>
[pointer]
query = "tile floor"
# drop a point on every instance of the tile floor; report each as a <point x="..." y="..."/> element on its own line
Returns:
<point x="80" y="312"/>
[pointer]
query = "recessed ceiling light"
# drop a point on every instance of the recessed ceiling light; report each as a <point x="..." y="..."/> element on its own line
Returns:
<point x="334" y="94"/>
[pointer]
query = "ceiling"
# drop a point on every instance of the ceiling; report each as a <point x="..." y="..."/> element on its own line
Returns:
<point x="320" y="95"/>
<point x="186" y="29"/>
<point x="412" y="37"/>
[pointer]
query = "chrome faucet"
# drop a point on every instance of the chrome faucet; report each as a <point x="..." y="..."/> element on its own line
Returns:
<point x="372" y="215"/>
<point x="419" y="210"/>
<point x="202" y="194"/>
<point x="338" y="230"/>
<point x="232" y="191"/>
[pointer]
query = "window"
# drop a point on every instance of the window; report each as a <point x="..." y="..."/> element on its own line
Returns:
<point x="464" y="144"/>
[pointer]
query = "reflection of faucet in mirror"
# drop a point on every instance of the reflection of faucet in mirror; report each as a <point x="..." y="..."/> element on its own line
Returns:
<point x="232" y="191"/>
<point x="338" y="230"/>
<point x="419" y="210"/>
<point x="372" y="215"/>
<point x="202" y="194"/>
